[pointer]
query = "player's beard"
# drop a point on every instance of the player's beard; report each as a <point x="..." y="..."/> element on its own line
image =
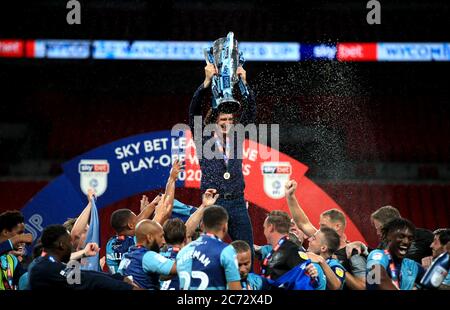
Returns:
<point x="154" y="247"/>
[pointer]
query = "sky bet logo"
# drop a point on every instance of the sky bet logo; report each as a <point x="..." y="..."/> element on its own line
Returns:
<point x="276" y="169"/>
<point x="93" y="168"/>
<point x="318" y="51"/>
<point x="324" y="51"/>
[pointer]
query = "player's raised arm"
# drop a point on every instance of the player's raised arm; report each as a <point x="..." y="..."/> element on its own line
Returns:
<point x="195" y="108"/>
<point x="177" y="167"/>
<point x="209" y="198"/>
<point x="147" y="208"/>
<point x="299" y="216"/>
<point x="82" y="221"/>
<point x="164" y="208"/>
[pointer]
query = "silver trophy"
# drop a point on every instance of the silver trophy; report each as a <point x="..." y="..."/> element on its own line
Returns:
<point x="224" y="54"/>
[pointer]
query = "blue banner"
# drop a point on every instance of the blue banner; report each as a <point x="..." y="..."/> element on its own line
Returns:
<point x="68" y="49"/>
<point x="116" y="171"/>
<point x="93" y="235"/>
<point x="413" y="51"/>
<point x="186" y="50"/>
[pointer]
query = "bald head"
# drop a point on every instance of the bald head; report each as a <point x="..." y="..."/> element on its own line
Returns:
<point x="146" y="227"/>
<point x="150" y="234"/>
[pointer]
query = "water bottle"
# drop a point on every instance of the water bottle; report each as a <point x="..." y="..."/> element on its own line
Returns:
<point x="437" y="272"/>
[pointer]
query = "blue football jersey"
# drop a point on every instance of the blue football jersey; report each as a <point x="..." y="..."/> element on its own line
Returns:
<point x="409" y="269"/>
<point x="338" y="270"/>
<point x="255" y="282"/>
<point x="207" y="263"/>
<point x="265" y="251"/>
<point x="173" y="283"/>
<point x="145" y="267"/>
<point x="116" y="247"/>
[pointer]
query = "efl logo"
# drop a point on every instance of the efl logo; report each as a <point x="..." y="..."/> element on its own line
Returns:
<point x="275" y="176"/>
<point x="93" y="174"/>
<point x="357" y="51"/>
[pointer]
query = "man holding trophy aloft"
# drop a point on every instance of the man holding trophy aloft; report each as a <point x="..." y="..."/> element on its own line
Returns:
<point x="223" y="171"/>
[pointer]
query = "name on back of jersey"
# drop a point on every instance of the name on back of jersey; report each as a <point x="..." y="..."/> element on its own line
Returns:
<point x="195" y="254"/>
<point x="114" y="256"/>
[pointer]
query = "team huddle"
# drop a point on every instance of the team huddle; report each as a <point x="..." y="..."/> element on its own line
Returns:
<point x="153" y="251"/>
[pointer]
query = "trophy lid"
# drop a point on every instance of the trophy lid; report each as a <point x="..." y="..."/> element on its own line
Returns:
<point x="220" y="52"/>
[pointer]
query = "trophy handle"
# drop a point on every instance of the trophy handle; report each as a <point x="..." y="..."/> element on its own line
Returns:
<point x="209" y="58"/>
<point x="242" y="87"/>
<point x="241" y="59"/>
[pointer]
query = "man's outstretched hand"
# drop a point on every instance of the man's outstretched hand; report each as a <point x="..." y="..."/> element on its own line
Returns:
<point x="242" y="74"/>
<point x="210" y="197"/>
<point x="91" y="249"/>
<point x="210" y="71"/>
<point x="90" y="194"/>
<point x="290" y="187"/>
<point x="177" y="167"/>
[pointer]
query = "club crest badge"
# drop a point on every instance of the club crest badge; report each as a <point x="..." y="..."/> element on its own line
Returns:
<point x="93" y="174"/>
<point x="275" y="176"/>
